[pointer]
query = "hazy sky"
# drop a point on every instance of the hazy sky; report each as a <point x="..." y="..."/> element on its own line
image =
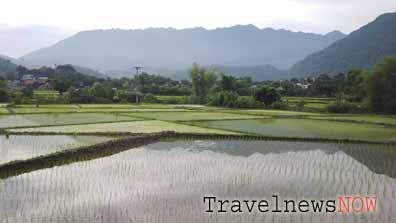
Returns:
<point x="319" y="16"/>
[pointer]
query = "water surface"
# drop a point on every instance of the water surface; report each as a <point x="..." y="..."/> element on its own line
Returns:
<point x="166" y="182"/>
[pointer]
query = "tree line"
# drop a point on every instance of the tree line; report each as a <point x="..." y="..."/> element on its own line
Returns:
<point x="355" y="92"/>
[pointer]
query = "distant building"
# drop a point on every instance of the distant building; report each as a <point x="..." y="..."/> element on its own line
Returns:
<point x="36" y="81"/>
<point x="303" y="86"/>
<point x="28" y="79"/>
<point x="280" y="89"/>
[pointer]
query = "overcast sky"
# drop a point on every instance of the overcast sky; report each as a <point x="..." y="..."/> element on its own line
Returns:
<point x="318" y="16"/>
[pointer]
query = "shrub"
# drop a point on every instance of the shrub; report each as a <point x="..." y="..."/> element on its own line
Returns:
<point x="224" y="99"/>
<point x="279" y="105"/>
<point x="343" y="107"/>
<point x="300" y="105"/>
<point x="4" y="95"/>
<point x="246" y="102"/>
<point x="150" y="98"/>
<point x="267" y="95"/>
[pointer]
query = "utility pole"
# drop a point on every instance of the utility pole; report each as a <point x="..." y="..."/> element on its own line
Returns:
<point x="137" y="68"/>
<point x="55" y="67"/>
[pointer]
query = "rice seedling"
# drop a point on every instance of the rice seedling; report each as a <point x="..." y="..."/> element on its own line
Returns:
<point x="305" y="128"/>
<point x="153" y="126"/>
<point x="11" y="121"/>
<point x="191" y="116"/>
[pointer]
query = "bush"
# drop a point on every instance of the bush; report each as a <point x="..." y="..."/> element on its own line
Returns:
<point x="246" y="102"/>
<point x="224" y="99"/>
<point x="344" y="107"/>
<point x="300" y="105"/>
<point x="267" y="95"/>
<point x="28" y="91"/>
<point x="4" y="95"/>
<point x="280" y="105"/>
<point x="150" y="98"/>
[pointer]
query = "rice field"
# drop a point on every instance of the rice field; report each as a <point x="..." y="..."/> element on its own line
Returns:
<point x="276" y="113"/>
<point x="305" y="128"/>
<point x="151" y="126"/>
<point x="166" y="182"/>
<point x="376" y="119"/>
<point x="25" y="147"/>
<point x="190" y="116"/>
<point x="12" y="121"/>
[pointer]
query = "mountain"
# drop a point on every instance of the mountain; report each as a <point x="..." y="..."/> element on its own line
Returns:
<point x="361" y="49"/>
<point x="88" y="71"/>
<point x="241" y="45"/>
<point x="6" y="65"/>
<point x="258" y="73"/>
<point x="18" y="41"/>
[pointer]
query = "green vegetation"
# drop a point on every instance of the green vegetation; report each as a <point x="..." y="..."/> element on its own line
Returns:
<point x="189" y="116"/>
<point x="122" y="127"/>
<point x="382" y="91"/>
<point x="305" y="128"/>
<point x="361" y="49"/>
<point x="11" y="121"/>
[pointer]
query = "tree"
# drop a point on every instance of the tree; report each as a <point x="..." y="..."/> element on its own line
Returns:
<point x="381" y="87"/>
<point x="28" y="91"/>
<point x="202" y="81"/>
<point x="61" y="86"/>
<point x="4" y="95"/>
<point x="267" y="95"/>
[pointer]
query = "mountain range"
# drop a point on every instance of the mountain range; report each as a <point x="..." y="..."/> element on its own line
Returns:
<point x="242" y="50"/>
<point x="361" y="49"/>
<point x="18" y="41"/>
<point x="241" y="45"/>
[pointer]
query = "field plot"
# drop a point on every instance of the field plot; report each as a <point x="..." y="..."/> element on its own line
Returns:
<point x="306" y="128"/>
<point x="10" y="121"/>
<point x="376" y="119"/>
<point x="25" y="147"/>
<point x="124" y="127"/>
<point x="191" y="116"/>
<point x="74" y="108"/>
<point x="3" y="111"/>
<point x="125" y="106"/>
<point x="146" y="183"/>
<point x="277" y="113"/>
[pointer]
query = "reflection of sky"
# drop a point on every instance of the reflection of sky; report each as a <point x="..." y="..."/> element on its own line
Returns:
<point x="26" y="147"/>
<point x="378" y="158"/>
<point x="165" y="182"/>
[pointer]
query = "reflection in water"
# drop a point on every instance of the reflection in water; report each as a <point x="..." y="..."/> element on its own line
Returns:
<point x="166" y="182"/>
<point x="20" y="147"/>
<point x="378" y="158"/>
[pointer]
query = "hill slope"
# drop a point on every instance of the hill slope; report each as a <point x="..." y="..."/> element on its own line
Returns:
<point x="18" y="41"/>
<point x="177" y="49"/>
<point x="6" y="65"/>
<point x="361" y="49"/>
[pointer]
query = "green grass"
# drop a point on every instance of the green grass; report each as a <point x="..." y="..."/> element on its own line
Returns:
<point x="10" y="121"/>
<point x="48" y="92"/>
<point x="127" y="106"/>
<point x="190" y="116"/>
<point x="123" y="127"/>
<point x="306" y="128"/>
<point x="62" y="108"/>
<point x="4" y="111"/>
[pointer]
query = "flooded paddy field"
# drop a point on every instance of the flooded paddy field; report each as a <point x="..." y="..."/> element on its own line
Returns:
<point x="167" y="181"/>
<point x="21" y="147"/>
